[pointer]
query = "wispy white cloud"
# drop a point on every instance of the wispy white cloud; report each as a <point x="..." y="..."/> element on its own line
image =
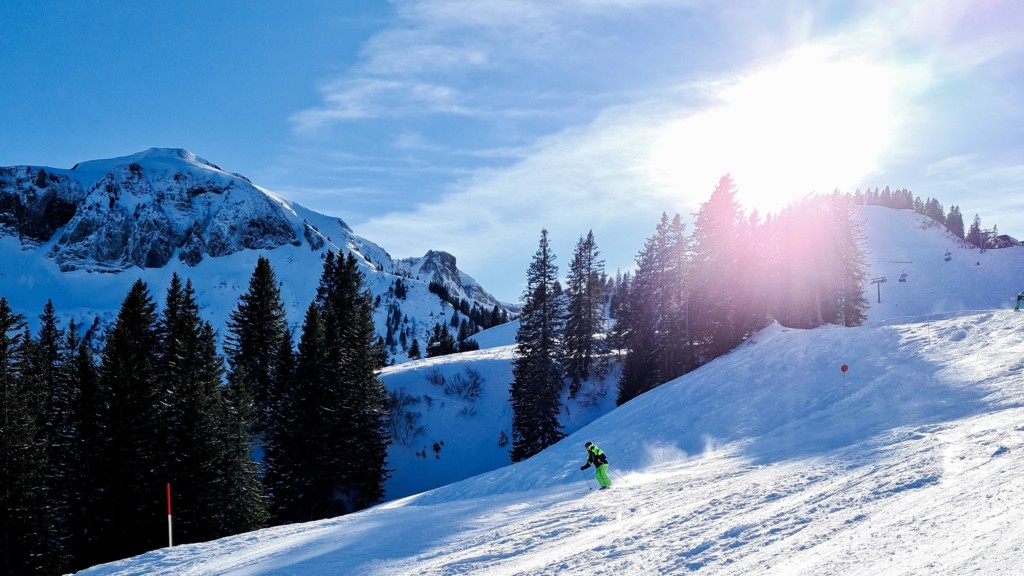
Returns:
<point x="358" y="99"/>
<point x="464" y="57"/>
<point x="416" y="141"/>
<point x="408" y="53"/>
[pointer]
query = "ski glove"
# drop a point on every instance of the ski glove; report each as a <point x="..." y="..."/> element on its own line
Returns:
<point x="585" y="466"/>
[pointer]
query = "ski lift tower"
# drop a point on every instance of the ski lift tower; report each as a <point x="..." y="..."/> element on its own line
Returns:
<point x="878" y="283"/>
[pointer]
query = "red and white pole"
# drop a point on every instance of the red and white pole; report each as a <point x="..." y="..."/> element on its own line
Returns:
<point x="843" y="369"/>
<point x="170" y="529"/>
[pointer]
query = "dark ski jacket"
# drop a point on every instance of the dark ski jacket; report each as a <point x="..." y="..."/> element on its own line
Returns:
<point x="594" y="456"/>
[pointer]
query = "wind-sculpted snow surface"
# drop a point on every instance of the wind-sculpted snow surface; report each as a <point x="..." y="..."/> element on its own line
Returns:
<point x="762" y="462"/>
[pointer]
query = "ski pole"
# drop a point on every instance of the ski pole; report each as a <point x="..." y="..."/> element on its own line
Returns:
<point x="587" y="479"/>
<point x="620" y="476"/>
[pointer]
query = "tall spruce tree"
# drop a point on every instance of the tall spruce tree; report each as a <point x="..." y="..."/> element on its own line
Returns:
<point x="975" y="235"/>
<point x="820" y="279"/>
<point x="255" y="330"/>
<point x="25" y="522"/>
<point x="718" y="317"/>
<point x="279" y="437"/>
<point x="359" y="420"/>
<point x="653" y="314"/>
<point x="537" y="374"/>
<point x="955" y="222"/>
<point x="199" y="470"/>
<point x="127" y="503"/>
<point x="243" y="502"/>
<point x="296" y="436"/>
<point x="441" y="342"/>
<point x="850" y="263"/>
<point x="585" y="316"/>
<point x="55" y="353"/>
<point x="81" y="375"/>
<point x="933" y="209"/>
<point x="328" y="453"/>
<point x="189" y="378"/>
<point x="674" y="293"/>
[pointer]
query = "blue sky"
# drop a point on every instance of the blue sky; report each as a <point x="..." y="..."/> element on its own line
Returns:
<point x="468" y="126"/>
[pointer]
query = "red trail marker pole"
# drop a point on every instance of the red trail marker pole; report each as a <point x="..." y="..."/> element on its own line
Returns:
<point x="843" y="369"/>
<point x="170" y="528"/>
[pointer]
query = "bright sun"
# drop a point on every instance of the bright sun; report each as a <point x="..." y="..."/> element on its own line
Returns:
<point x="811" y="123"/>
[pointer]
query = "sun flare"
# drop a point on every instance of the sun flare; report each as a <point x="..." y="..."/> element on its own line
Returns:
<point x="814" y="122"/>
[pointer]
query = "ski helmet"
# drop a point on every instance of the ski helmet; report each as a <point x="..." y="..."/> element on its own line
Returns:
<point x="588" y="444"/>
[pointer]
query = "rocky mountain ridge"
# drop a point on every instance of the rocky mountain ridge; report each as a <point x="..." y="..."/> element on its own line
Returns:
<point x="165" y="210"/>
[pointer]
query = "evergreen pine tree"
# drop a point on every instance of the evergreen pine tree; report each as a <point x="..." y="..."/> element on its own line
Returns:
<point x="821" y="280"/>
<point x="441" y="342"/>
<point x="25" y="523"/>
<point x="716" y="312"/>
<point x="83" y="378"/>
<point x="653" y="323"/>
<point x="292" y="476"/>
<point x="850" y="263"/>
<point x="921" y="205"/>
<point x="255" y="330"/>
<point x="328" y="452"/>
<point x="636" y="333"/>
<point x="955" y="222"/>
<point x="805" y="273"/>
<point x="933" y="209"/>
<point x="885" y="198"/>
<point x="359" y="423"/>
<point x="537" y="374"/>
<point x="974" y="234"/>
<point x="242" y="498"/>
<point x="130" y="471"/>
<point x="60" y="427"/>
<point x="585" y="315"/>
<point x="193" y="410"/>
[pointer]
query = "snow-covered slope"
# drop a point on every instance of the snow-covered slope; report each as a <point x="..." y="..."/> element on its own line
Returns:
<point x="901" y="242"/>
<point x="82" y="236"/>
<point x="765" y="461"/>
<point x="449" y="431"/>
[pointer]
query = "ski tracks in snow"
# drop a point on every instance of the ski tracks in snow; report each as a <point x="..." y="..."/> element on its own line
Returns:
<point x="720" y="514"/>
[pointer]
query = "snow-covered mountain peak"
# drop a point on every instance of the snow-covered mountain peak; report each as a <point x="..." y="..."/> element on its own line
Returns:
<point x="145" y="209"/>
<point x="141" y="210"/>
<point x="439" y="268"/>
<point x="166" y="210"/>
<point x="169" y="156"/>
<point x="180" y="153"/>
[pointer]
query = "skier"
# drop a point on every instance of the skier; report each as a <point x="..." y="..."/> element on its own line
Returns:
<point x="1020" y="298"/>
<point x="596" y="457"/>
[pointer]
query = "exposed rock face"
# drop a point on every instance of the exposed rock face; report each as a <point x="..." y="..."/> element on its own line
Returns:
<point x="440" y="267"/>
<point x="34" y="203"/>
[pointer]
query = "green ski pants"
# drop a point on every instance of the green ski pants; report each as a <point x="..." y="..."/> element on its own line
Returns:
<point x="602" y="476"/>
